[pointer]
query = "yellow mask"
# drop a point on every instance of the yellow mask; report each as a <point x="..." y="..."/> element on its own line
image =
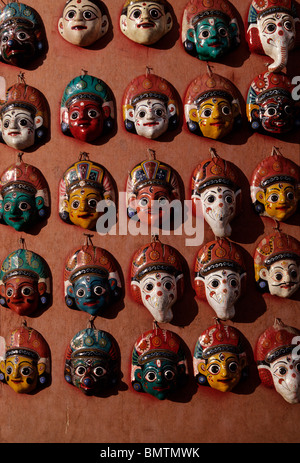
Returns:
<point x="216" y="117"/>
<point x="21" y="373"/>
<point x="82" y="206"/>
<point x="280" y="200"/>
<point x="223" y="371"/>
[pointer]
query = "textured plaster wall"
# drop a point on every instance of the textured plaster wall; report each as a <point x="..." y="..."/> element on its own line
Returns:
<point x="60" y="413"/>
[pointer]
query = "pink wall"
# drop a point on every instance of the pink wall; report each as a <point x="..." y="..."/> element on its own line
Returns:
<point x="60" y="413"/>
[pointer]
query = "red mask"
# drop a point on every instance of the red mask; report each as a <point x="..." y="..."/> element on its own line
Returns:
<point x="85" y="120"/>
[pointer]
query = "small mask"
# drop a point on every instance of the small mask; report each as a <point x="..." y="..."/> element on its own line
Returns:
<point x="82" y="186"/>
<point x="150" y="106"/>
<point x="22" y="36"/>
<point x="151" y="187"/>
<point x="25" y="361"/>
<point x="220" y="276"/>
<point x="87" y="109"/>
<point x="212" y="107"/>
<point x="159" y="365"/>
<point x="24" y="117"/>
<point x="278" y="361"/>
<point x="157" y="279"/>
<point x="209" y="29"/>
<point x="92" y="361"/>
<point x="24" y="282"/>
<point x="91" y="280"/>
<point x="215" y="184"/>
<point x="275" y="187"/>
<point x="270" y="106"/>
<point x="277" y="265"/>
<point x="24" y="196"/>
<point x="273" y="30"/>
<point x="83" y="23"/>
<point x="145" y="22"/>
<point x="220" y="358"/>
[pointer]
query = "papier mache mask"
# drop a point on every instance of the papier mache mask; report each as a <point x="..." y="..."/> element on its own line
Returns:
<point x="220" y="276"/>
<point x="211" y="106"/>
<point x="278" y="361"/>
<point x="270" y="107"/>
<point x="83" y="22"/>
<point x="25" y="285"/>
<point x="24" y="196"/>
<point x="145" y="22"/>
<point x="157" y="279"/>
<point x="151" y="187"/>
<point x="277" y="264"/>
<point x="92" y="361"/>
<point x="220" y="358"/>
<point x="25" y="360"/>
<point x="24" y="117"/>
<point x="91" y="280"/>
<point x="275" y="187"/>
<point x="150" y="106"/>
<point x="215" y="183"/>
<point x="22" y="37"/>
<point x="273" y="29"/>
<point x="82" y="186"/>
<point x="87" y="109"/>
<point x="209" y="29"/>
<point x="159" y="366"/>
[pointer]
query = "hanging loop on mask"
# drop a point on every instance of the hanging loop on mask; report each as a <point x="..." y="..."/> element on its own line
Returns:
<point x="21" y="78"/>
<point x="148" y="70"/>
<point x="151" y="154"/>
<point x="83" y="156"/>
<point x="22" y="243"/>
<point x="88" y="239"/>
<point x="91" y="321"/>
<point x="276" y="151"/>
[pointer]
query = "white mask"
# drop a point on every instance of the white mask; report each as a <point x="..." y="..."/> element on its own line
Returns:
<point x="219" y="207"/>
<point x="286" y="377"/>
<point x="151" y="118"/>
<point x="283" y="277"/>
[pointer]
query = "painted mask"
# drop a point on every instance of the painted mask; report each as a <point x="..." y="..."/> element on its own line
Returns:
<point x="87" y="109"/>
<point x="24" y="117"/>
<point x="91" y="280"/>
<point x="145" y="22"/>
<point x="278" y="361"/>
<point x="270" y="105"/>
<point x="157" y="280"/>
<point x="220" y="276"/>
<point x="92" y="361"/>
<point x="83" y="22"/>
<point x="82" y="186"/>
<point x="25" y="360"/>
<point x="151" y="187"/>
<point x="22" y="36"/>
<point x="159" y="366"/>
<point x="209" y="29"/>
<point x="275" y="187"/>
<point x="24" y="196"/>
<point x="277" y="264"/>
<point x="212" y="107"/>
<point x="215" y="184"/>
<point x="273" y="30"/>
<point x="150" y="106"/>
<point x="24" y="282"/>
<point x="219" y="358"/>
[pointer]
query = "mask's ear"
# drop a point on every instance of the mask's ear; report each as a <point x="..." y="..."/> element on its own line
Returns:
<point x="233" y="30"/>
<point x="38" y="121"/>
<point x="136" y="292"/>
<point x="70" y="291"/>
<point x="123" y="23"/>
<point x="191" y="35"/>
<point x="42" y="288"/>
<point x="113" y="283"/>
<point x="104" y="25"/>
<point x="61" y="26"/>
<point x="263" y="273"/>
<point x="39" y="202"/>
<point x="169" y="22"/>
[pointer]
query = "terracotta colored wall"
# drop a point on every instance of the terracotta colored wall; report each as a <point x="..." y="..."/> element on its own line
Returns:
<point x="61" y="413"/>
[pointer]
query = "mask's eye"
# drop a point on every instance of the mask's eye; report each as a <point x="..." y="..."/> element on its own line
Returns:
<point x="298" y="367"/>
<point x="27" y="291"/>
<point x="26" y="371"/>
<point x="23" y="122"/>
<point x="288" y="25"/>
<point x="154" y="13"/>
<point x="24" y="206"/>
<point x="159" y="112"/>
<point x="9" y="292"/>
<point x="226" y="110"/>
<point x="204" y="34"/>
<point x="288" y="109"/>
<point x="233" y="366"/>
<point x="136" y="14"/>
<point x="234" y="283"/>
<point x="150" y="376"/>
<point x="143" y="202"/>
<point x="93" y="114"/>
<point x="206" y="112"/>
<point x="271" y="112"/>
<point x="294" y="274"/>
<point x="215" y="283"/>
<point x="228" y="199"/>
<point x="168" y="285"/>
<point x="290" y="196"/>
<point x="4" y="38"/>
<point x="74" y="115"/>
<point x="214" y="369"/>
<point x="9" y="370"/>
<point x="98" y="290"/>
<point x="80" y="371"/>
<point x="149" y="287"/>
<point x="211" y="199"/>
<point x="80" y="292"/>
<point x="141" y="114"/>
<point x="162" y="200"/>
<point x="270" y="28"/>
<point x="169" y="375"/>
<point x="75" y="204"/>
<point x="223" y="32"/>
<point x="6" y="124"/>
<point x="92" y="203"/>
<point x="70" y="15"/>
<point x="7" y="207"/>
<point x="22" y="36"/>
<point x="99" y="371"/>
<point x="278" y="276"/>
<point x="89" y="15"/>
<point x="273" y="198"/>
<point x="282" y="371"/>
